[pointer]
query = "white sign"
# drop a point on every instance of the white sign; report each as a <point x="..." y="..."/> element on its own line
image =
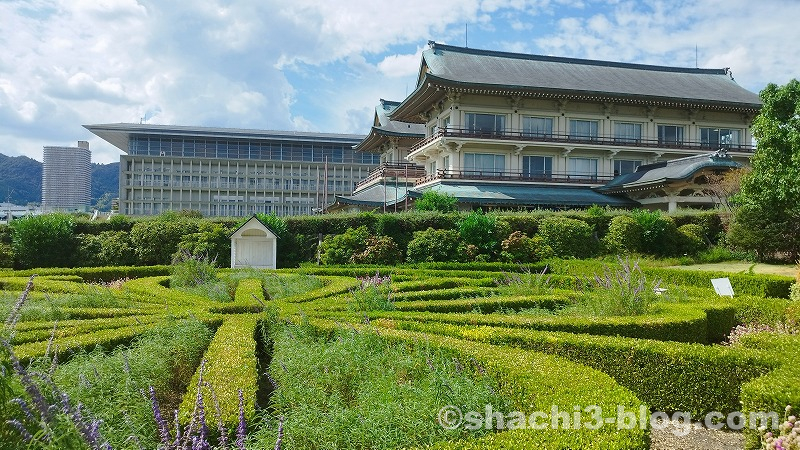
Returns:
<point x="723" y="287"/>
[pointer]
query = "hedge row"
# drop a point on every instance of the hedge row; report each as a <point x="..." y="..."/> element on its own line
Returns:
<point x="484" y="305"/>
<point x="94" y="274"/>
<point x="681" y="323"/>
<point x="777" y="389"/>
<point x="668" y="376"/>
<point x="42" y="331"/>
<point x="762" y="285"/>
<point x="249" y="298"/>
<point x="229" y="365"/>
<point x="536" y="382"/>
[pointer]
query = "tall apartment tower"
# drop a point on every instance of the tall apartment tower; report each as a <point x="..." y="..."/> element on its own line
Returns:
<point x="67" y="178"/>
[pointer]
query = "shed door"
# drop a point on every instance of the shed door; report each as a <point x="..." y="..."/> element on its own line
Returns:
<point x="251" y="252"/>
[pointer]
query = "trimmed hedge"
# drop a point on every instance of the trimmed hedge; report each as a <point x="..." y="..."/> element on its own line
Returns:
<point x="94" y="274"/>
<point x="484" y="305"/>
<point x="668" y="376"/>
<point x="230" y="365"/>
<point x="535" y="382"/>
<point x="680" y="323"/>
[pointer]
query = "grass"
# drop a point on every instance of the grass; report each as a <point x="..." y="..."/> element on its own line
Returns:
<point x="113" y="386"/>
<point x="48" y="307"/>
<point x="276" y="286"/>
<point x="789" y="270"/>
<point x="359" y="391"/>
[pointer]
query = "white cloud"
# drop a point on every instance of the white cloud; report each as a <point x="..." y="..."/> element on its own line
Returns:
<point x="310" y="65"/>
<point x="396" y="66"/>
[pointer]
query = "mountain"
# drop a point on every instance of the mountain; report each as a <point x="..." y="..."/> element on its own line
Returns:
<point x="21" y="180"/>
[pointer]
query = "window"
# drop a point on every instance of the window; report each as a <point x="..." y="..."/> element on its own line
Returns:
<point x="537" y="167"/>
<point x="582" y="167"/>
<point x="446" y="162"/>
<point x="623" y="166"/>
<point x="432" y="168"/>
<point x="537" y="126"/>
<point x="583" y="129"/>
<point x="484" y="163"/>
<point x="719" y="137"/>
<point x="670" y="134"/>
<point x="486" y="123"/>
<point x="627" y="132"/>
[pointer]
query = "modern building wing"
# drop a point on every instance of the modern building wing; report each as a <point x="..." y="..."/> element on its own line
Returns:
<point x="232" y="172"/>
<point x="67" y="178"/>
<point x="509" y="122"/>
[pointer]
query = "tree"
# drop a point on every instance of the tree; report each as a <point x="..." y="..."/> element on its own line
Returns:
<point x="768" y="218"/>
<point x="43" y="241"/>
<point x="436" y="201"/>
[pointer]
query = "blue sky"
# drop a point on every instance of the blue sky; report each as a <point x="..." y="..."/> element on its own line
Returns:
<point x="323" y="65"/>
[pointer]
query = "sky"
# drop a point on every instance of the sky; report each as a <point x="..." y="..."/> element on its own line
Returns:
<point x="323" y="65"/>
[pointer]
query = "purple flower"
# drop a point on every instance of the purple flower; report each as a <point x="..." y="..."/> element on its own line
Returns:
<point x="26" y="436"/>
<point x="241" y="430"/>
<point x="163" y="429"/>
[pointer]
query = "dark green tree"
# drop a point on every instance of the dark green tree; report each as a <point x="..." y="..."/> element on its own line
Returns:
<point x="436" y="201"/>
<point x="44" y="241"/>
<point x="767" y="219"/>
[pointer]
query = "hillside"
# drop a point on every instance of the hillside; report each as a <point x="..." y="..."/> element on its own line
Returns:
<point x="21" y="180"/>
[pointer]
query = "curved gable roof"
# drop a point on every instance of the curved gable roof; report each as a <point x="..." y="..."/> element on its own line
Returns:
<point x="446" y="65"/>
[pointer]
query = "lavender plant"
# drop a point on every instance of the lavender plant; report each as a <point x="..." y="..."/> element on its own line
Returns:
<point x="527" y="282"/>
<point x="373" y="294"/>
<point x="46" y="416"/>
<point x="618" y="291"/>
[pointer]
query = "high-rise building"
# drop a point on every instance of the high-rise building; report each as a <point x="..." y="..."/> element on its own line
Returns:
<point x="67" y="178"/>
<point x="232" y="172"/>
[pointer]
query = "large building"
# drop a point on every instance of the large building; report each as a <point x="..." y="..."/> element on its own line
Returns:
<point x="232" y="172"/>
<point x="67" y="178"/>
<point x="509" y="130"/>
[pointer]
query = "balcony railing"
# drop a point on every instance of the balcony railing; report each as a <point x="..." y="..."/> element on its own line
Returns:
<point x="393" y="169"/>
<point x="492" y="175"/>
<point x="526" y="136"/>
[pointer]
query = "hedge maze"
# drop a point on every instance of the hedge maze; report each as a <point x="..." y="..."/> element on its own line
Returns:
<point x="670" y="358"/>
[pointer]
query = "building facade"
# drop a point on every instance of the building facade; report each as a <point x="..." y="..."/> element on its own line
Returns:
<point x="232" y="172"/>
<point x="526" y="131"/>
<point x="67" y="178"/>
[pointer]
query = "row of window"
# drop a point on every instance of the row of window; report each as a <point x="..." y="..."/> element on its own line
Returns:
<point x="588" y="130"/>
<point x="221" y="210"/>
<point x="254" y="150"/>
<point x="542" y="166"/>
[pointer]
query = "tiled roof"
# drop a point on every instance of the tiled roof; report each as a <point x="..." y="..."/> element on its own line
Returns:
<point x="503" y="73"/>
<point x="383" y="128"/>
<point x="527" y="195"/>
<point x="674" y="170"/>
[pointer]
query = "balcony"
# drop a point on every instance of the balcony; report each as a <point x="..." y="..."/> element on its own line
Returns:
<point x="600" y="140"/>
<point x="408" y="171"/>
<point x="514" y="176"/>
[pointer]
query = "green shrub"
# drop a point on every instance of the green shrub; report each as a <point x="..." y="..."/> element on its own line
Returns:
<point x="339" y="249"/>
<point x="436" y="201"/>
<point x="569" y="238"/>
<point x="660" y="234"/>
<point x="480" y="230"/>
<point x="44" y="241"/>
<point x="378" y="250"/>
<point x="624" y="235"/>
<point x="156" y="241"/>
<point x="435" y="245"/>
<point x="691" y="239"/>
<point x="519" y="248"/>
<point x="212" y="240"/>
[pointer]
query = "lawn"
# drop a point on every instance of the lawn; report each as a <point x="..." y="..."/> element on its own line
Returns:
<point x="363" y="357"/>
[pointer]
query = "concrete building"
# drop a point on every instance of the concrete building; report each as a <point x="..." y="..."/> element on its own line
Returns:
<point x="232" y="172"/>
<point x="509" y="130"/>
<point x="67" y="178"/>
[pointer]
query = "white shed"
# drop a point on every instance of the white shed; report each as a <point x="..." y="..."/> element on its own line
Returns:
<point x="254" y="244"/>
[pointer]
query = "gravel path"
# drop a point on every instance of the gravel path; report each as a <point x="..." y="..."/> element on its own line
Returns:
<point x="698" y="438"/>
